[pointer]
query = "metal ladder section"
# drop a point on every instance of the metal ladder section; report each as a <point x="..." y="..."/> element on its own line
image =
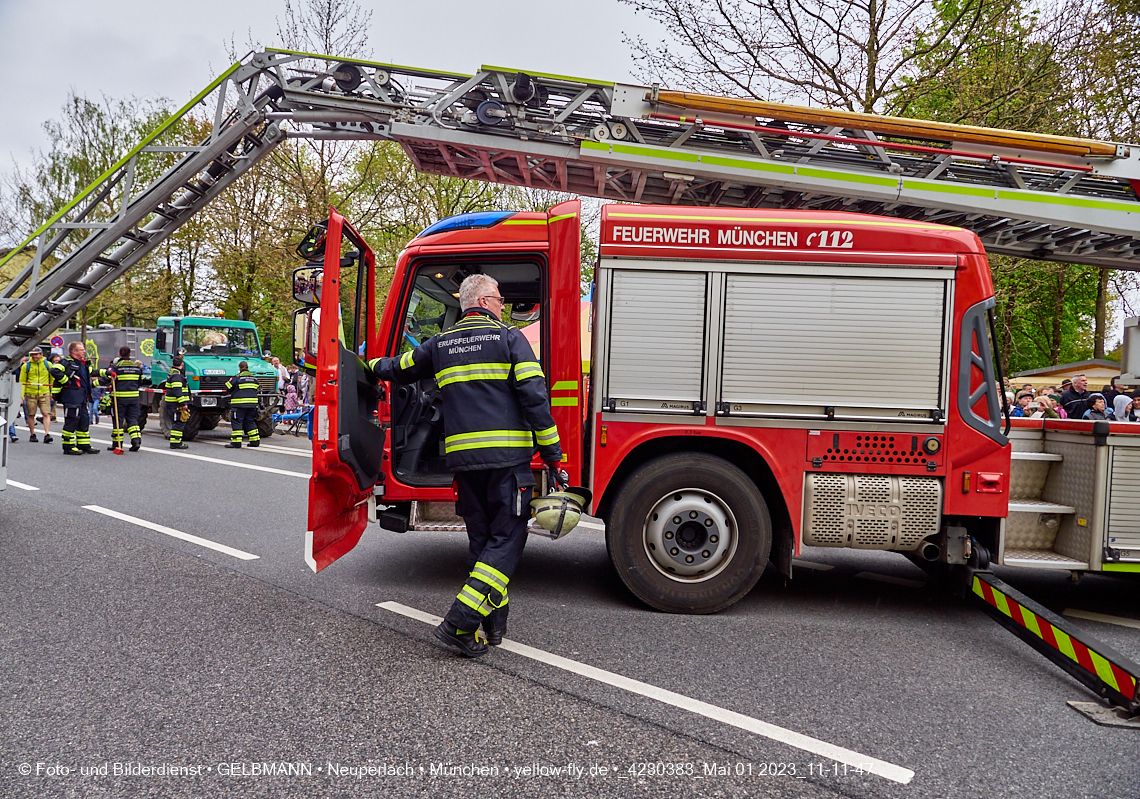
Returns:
<point x="115" y="222"/>
<point x="1107" y="673"/>
<point x="1074" y="203"/>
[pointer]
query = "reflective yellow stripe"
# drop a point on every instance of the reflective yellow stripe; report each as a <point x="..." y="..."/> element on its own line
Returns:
<point x="557" y="401"/>
<point x="488" y="445"/>
<point x="406" y="360"/>
<point x="473" y="371"/>
<point x="489" y="580"/>
<point x="547" y="437"/>
<point x="565" y="385"/>
<point x="560" y="217"/>
<point x="474" y="600"/>
<point x="527" y="369"/>
<point x="489" y="438"/>
<point x="524" y="222"/>
<point x="494" y="572"/>
<point x="473" y="606"/>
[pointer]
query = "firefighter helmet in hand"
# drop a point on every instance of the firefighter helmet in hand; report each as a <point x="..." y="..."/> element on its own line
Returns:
<point x="560" y="511"/>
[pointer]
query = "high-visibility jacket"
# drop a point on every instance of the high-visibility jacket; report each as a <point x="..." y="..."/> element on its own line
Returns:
<point x="127" y="378"/>
<point x="495" y="405"/>
<point x="176" y="391"/>
<point x="243" y="389"/>
<point x="36" y="378"/>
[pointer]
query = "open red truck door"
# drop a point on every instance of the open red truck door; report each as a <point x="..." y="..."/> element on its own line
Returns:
<point x="348" y="441"/>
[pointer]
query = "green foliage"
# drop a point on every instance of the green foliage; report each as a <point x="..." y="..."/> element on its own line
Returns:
<point x="1044" y="313"/>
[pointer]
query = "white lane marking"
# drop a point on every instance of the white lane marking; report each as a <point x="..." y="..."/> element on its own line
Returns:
<point x="807" y="564"/>
<point x="813" y="745"/>
<point x="178" y="454"/>
<point x="886" y="578"/>
<point x="300" y="453"/>
<point x="158" y="528"/>
<point x="24" y="486"/>
<point x="1088" y="614"/>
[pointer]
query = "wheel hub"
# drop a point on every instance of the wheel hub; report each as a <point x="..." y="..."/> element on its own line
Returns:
<point x="690" y="535"/>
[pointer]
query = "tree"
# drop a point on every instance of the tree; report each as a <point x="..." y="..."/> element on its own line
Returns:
<point x="852" y="54"/>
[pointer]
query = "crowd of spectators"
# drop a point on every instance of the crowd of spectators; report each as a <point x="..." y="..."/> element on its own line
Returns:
<point x="1073" y="400"/>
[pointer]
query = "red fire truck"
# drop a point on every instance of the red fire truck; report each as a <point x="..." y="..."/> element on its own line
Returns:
<point x="760" y="380"/>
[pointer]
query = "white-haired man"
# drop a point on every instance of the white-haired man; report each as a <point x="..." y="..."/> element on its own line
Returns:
<point x="495" y="412"/>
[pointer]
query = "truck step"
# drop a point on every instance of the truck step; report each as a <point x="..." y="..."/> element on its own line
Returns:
<point x="1041" y="559"/>
<point x="586" y="523"/>
<point x="1039" y="506"/>
<point x="1036" y="456"/>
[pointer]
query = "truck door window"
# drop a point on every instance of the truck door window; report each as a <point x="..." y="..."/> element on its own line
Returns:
<point x="433" y="307"/>
<point x="219" y="340"/>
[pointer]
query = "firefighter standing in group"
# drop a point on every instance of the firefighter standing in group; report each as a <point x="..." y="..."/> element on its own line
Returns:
<point x="125" y="377"/>
<point x="74" y="377"/>
<point x="495" y="410"/>
<point x="243" y="388"/>
<point x="177" y="403"/>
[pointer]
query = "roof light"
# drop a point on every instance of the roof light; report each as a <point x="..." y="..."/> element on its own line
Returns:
<point x="472" y="221"/>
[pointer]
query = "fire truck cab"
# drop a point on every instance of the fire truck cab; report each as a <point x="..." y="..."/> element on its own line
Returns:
<point x="760" y="380"/>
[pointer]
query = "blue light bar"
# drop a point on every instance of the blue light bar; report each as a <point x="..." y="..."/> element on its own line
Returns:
<point x="472" y="221"/>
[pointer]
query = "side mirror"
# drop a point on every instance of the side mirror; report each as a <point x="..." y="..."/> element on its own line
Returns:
<point x="307" y="284"/>
<point x="160" y="339"/>
<point x="306" y="332"/>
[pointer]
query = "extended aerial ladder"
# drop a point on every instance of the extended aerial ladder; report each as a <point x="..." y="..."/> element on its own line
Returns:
<point x="1030" y="195"/>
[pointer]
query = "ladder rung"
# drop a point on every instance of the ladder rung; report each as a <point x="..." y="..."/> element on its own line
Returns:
<point x="106" y="262"/>
<point x="71" y="284"/>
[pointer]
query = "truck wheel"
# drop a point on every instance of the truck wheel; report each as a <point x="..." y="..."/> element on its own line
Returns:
<point x="164" y="421"/>
<point x="190" y="431"/>
<point x="265" y="425"/>
<point x="208" y="421"/>
<point x="689" y="533"/>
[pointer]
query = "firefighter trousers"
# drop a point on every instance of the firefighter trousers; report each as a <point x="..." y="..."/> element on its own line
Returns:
<point x="495" y="505"/>
<point x="76" y="427"/>
<point x="244" y="418"/>
<point x="177" y="426"/>
<point x="128" y="420"/>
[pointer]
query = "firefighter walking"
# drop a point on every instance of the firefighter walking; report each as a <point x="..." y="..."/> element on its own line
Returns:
<point x="243" y="388"/>
<point x="74" y="379"/>
<point x="125" y="378"/>
<point x="495" y="411"/>
<point x="177" y="403"/>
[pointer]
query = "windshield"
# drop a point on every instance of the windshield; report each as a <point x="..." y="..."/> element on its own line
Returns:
<point x="219" y="340"/>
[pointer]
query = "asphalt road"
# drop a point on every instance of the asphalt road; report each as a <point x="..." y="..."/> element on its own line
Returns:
<point x="125" y="645"/>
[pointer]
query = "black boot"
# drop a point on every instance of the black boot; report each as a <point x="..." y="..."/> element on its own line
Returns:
<point x="135" y="444"/>
<point x="254" y="443"/>
<point x="495" y="625"/>
<point x="179" y="445"/>
<point x="72" y="451"/>
<point x="233" y="445"/>
<point x="470" y="645"/>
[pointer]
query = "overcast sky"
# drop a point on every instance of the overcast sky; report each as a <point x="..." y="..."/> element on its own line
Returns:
<point x="173" y="50"/>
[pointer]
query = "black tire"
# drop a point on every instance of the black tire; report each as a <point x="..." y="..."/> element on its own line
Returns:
<point x="190" y="431"/>
<point x="208" y="421"/>
<point x="265" y="425"/>
<point x="164" y="421"/>
<point x="709" y="494"/>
